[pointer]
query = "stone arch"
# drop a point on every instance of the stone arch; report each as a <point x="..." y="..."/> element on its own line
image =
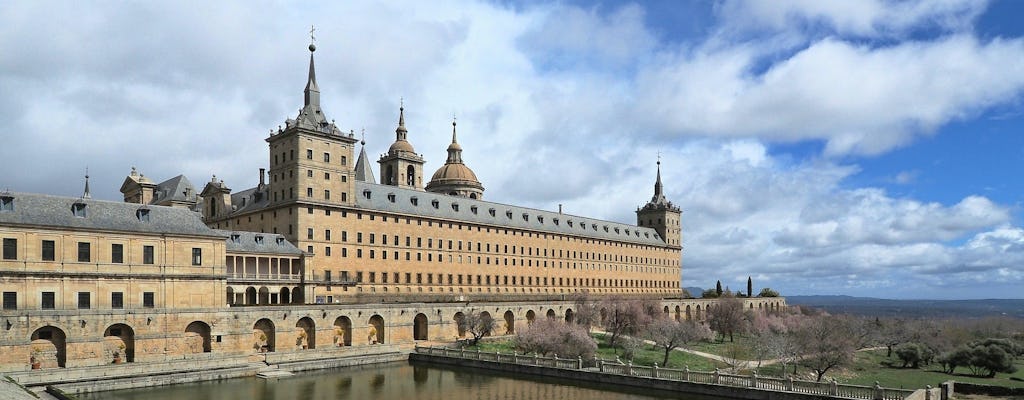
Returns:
<point x="570" y="317"/>
<point x="530" y="317"/>
<point x="666" y="311"/>
<point x="250" y="295"/>
<point x="305" y="335"/>
<point x="699" y="316"/>
<point x="342" y="331"/>
<point x="376" y="330"/>
<point x="510" y="323"/>
<point x="264" y="296"/>
<point x="197" y="337"/>
<point x="485" y="315"/>
<point x="551" y="313"/>
<point x="231" y="295"/>
<point x="119" y="343"/>
<point x="679" y="316"/>
<point x="410" y="176"/>
<point x="460" y="330"/>
<point x="419" y="327"/>
<point x="264" y="335"/>
<point x="285" y="295"/>
<point x="689" y="313"/>
<point x="298" y="295"/>
<point x="49" y="347"/>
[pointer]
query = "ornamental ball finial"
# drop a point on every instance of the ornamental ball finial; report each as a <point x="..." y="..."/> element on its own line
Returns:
<point x="312" y="47"/>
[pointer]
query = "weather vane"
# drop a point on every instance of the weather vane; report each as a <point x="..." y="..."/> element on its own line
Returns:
<point x="312" y="39"/>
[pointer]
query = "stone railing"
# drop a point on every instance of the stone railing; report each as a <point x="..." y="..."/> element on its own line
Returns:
<point x="753" y="381"/>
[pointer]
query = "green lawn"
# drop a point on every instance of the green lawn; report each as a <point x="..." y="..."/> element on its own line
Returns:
<point x="871" y="366"/>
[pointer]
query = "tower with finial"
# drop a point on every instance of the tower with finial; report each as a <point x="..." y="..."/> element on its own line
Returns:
<point x="401" y="166"/>
<point x="454" y="177"/>
<point x="661" y="215"/>
<point x="311" y="159"/>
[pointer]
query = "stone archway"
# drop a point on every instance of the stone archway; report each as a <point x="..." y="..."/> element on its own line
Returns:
<point x="679" y="316"/>
<point x="197" y="337"/>
<point x="551" y="313"/>
<point x="569" y="316"/>
<point x="305" y="334"/>
<point x="530" y="317"/>
<point x="510" y="323"/>
<point x="486" y="315"/>
<point x="667" y="311"/>
<point x="285" y="295"/>
<point x="342" y="331"/>
<point x="419" y="327"/>
<point x="376" y="330"/>
<point x="264" y="296"/>
<point x="119" y="343"/>
<point x="699" y="316"/>
<point x="264" y="335"/>
<point x="460" y="329"/>
<point x="49" y="347"/>
<point x="231" y="296"/>
<point x="250" y="296"/>
<point x="298" y="295"/>
<point x="689" y="313"/>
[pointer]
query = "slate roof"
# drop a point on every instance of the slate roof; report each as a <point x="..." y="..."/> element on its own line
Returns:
<point x="174" y="189"/>
<point x="55" y="211"/>
<point x="245" y="242"/>
<point x="504" y="215"/>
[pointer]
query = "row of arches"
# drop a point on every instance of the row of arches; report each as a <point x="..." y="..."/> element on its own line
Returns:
<point x="265" y="333"/>
<point x="263" y="296"/>
<point x="49" y="344"/>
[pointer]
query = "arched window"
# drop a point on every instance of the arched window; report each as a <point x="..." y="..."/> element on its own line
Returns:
<point x="410" y="176"/>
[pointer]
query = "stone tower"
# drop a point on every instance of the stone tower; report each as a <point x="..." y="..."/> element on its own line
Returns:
<point x="401" y="166"/>
<point x="454" y="177"/>
<point x="311" y="160"/>
<point x="661" y="215"/>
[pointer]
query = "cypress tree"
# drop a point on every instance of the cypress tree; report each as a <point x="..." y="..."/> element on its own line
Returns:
<point x="750" y="287"/>
<point x="718" y="288"/>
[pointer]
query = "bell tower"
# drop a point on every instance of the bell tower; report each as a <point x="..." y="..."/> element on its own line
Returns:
<point x="401" y="166"/>
<point x="661" y="215"/>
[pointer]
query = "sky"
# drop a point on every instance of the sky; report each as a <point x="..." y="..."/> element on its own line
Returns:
<point x="863" y="148"/>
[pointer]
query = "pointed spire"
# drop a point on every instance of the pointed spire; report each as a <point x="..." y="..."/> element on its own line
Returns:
<point x="658" y="191"/>
<point x="86" y="194"/>
<point x="454" y="149"/>
<point x="401" y="132"/>
<point x="312" y="91"/>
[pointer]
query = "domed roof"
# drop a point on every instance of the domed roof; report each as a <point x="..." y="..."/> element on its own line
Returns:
<point x="454" y="172"/>
<point x="401" y="145"/>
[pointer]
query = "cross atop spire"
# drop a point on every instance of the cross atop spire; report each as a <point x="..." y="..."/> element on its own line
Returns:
<point x="312" y="39"/>
<point x="400" y="132"/>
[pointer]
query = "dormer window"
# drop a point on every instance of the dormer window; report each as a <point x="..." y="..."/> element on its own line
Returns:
<point x="435" y="203"/>
<point x="259" y="239"/>
<point x="617" y="230"/>
<point x="280" y="240"/>
<point x="391" y="197"/>
<point x="508" y="214"/>
<point x="6" y="203"/>
<point x="540" y="219"/>
<point x="647" y="234"/>
<point x="142" y="214"/>
<point x="526" y="217"/>
<point x="367" y="194"/>
<point x="455" y="207"/>
<point x="472" y="209"/>
<point x="491" y="211"/>
<point x="569" y="222"/>
<point x="78" y="210"/>
<point x="594" y="226"/>
<point x="415" y="201"/>
<point x="236" y="238"/>
<point x="556" y="221"/>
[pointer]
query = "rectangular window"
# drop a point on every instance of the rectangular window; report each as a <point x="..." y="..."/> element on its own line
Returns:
<point x="10" y="249"/>
<point x="309" y="154"/>
<point x="373" y="277"/>
<point x="419" y="278"/>
<point x="359" y="276"/>
<point x="327" y="251"/>
<point x="197" y="256"/>
<point x="309" y="192"/>
<point x="327" y="157"/>
<point x="84" y="252"/>
<point x="83" y="300"/>
<point x="408" y="277"/>
<point x="309" y="233"/>
<point x="327" y="194"/>
<point x="327" y="235"/>
<point x="147" y="254"/>
<point x="359" y="237"/>
<point x="49" y="250"/>
<point x="147" y="300"/>
<point x="117" y="300"/>
<point x="383" y="277"/>
<point x="327" y="276"/>
<point x="10" y="300"/>
<point x="48" y="301"/>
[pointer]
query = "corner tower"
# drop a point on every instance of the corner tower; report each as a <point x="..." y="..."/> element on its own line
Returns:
<point x="311" y="160"/>
<point x="454" y="178"/>
<point x="401" y="166"/>
<point x="661" y="215"/>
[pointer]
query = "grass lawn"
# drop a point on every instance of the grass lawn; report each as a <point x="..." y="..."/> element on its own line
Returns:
<point x="647" y="356"/>
<point x="870" y="366"/>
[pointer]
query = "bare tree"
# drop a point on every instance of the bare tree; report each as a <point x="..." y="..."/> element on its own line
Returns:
<point x="588" y="313"/>
<point x="827" y="342"/>
<point x="669" y="334"/>
<point x="625" y="317"/>
<point x="727" y="317"/>
<point x="478" y="324"/>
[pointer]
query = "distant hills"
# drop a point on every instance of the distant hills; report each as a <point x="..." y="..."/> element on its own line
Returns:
<point x="912" y="308"/>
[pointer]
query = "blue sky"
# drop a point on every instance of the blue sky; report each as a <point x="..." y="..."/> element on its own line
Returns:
<point x="864" y="148"/>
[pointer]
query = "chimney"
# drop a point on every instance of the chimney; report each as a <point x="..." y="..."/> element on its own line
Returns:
<point x="559" y="208"/>
<point x="263" y="172"/>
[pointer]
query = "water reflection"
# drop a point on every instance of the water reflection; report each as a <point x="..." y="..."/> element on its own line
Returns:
<point x="400" y="381"/>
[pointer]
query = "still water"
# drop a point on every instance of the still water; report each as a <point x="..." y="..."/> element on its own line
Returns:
<point x="402" y="381"/>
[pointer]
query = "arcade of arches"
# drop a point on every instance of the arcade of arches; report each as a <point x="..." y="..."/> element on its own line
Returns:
<point x="59" y="342"/>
